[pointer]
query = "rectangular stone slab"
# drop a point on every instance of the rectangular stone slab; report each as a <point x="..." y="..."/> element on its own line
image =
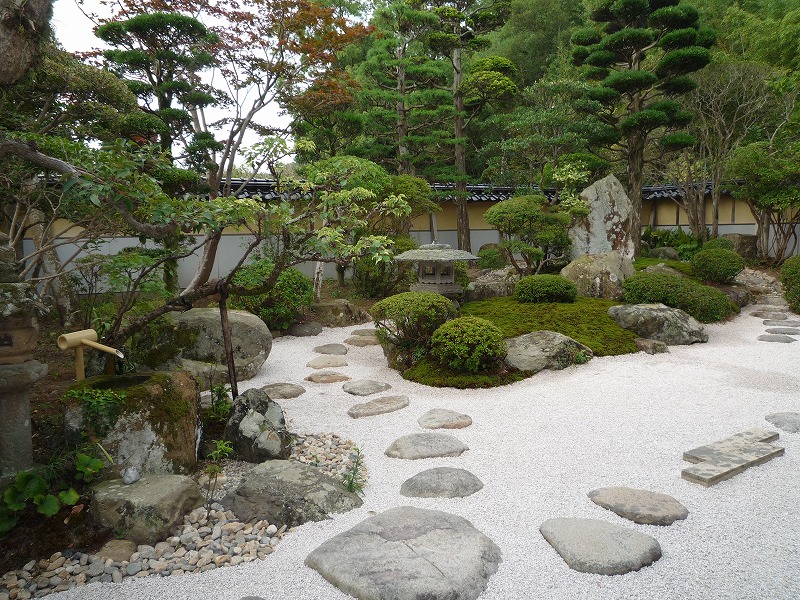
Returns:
<point x="732" y="443"/>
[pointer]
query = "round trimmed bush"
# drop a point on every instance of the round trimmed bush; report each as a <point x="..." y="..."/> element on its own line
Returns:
<point x="545" y="288"/>
<point x="468" y="345"/>
<point x="718" y="265"/>
<point x="491" y="258"/>
<point x="408" y="320"/>
<point x="715" y="243"/>
<point x="790" y="278"/>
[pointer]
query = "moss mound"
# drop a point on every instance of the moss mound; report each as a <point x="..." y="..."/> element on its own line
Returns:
<point x="429" y="372"/>
<point x="679" y="265"/>
<point x="545" y="288"/>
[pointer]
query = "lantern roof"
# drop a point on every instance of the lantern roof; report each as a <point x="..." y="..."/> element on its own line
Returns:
<point x="435" y="253"/>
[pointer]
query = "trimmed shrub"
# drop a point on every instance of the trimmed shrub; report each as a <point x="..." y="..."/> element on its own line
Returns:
<point x="468" y="345"/>
<point x="460" y="273"/>
<point x="280" y="307"/>
<point x="408" y="320"/>
<point x="716" y="243"/>
<point x="704" y="303"/>
<point x="491" y="258"/>
<point x="790" y="278"/>
<point x="379" y="280"/>
<point x="717" y="265"/>
<point x="545" y="288"/>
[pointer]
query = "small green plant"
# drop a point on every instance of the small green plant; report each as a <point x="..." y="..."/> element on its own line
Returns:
<point x="86" y="467"/>
<point x="99" y="408"/>
<point x="580" y="358"/>
<point x="717" y="265"/>
<point x="545" y="288"/>
<point x="468" y="345"/>
<point x="29" y="486"/>
<point x="220" y="402"/>
<point x="354" y="478"/>
<point x="491" y="258"/>
<point x="222" y="450"/>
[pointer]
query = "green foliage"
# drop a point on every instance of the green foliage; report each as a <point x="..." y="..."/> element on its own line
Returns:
<point x="683" y="266"/>
<point x="373" y="279"/>
<point x="430" y="372"/>
<point x="460" y="274"/>
<point x="717" y="264"/>
<point x="30" y="487"/>
<point x="355" y="478"/>
<point x="468" y="345"/>
<point x="408" y="320"/>
<point x="704" y="303"/>
<point x="87" y="466"/>
<point x="684" y="242"/>
<point x="491" y="258"/>
<point x="545" y="288"/>
<point x="719" y="242"/>
<point x="790" y="278"/>
<point x="222" y="450"/>
<point x="220" y="402"/>
<point x="99" y="408"/>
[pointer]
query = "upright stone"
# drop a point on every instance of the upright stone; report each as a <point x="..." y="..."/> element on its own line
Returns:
<point x="608" y="225"/>
<point x="599" y="275"/>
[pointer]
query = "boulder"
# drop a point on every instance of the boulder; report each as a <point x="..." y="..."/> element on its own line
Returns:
<point x="305" y="329"/>
<point x="288" y="493"/>
<point x="492" y="283"/>
<point x="441" y="482"/>
<point x="640" y="506"/>
<point x="148" y="510"/>
<point x="599" y="275"/>
<point x="425" y="445"/>
<point x="409" y="553"/>
<point x="651" y="346"/>
<point x="256" y="428"/>
<point x="672" y="326"/>
<point x="607" y="227"/>
<point x="745" y="245"/>
<point x="738" y="294"/>
<point x="339" y="313"/>
<point x="544" y="350"/>
<point x="665" y="252"/>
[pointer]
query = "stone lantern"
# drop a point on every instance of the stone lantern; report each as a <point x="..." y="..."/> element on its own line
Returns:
<point x="435" y="268"/>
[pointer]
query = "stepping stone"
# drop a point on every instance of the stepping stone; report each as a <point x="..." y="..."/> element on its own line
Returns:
<point x="775" y="301"/>
<point x="780" y="339"/>
<point x="771" y="315"/>
<point x="379" y="406"/>
<point x="327" y="377"/>
<point x="785" y="421"/>
<point x="441" y="418"/>
<point x="364" y="332"/>
<point x="640" y="506"/>
<point x="442" y="482"/>
<point x="784" y="330"/>
<point x="409" y="553"/>
<point x="365" y="387"/>
<point x="340" y="349"/>
<point x="326" y="361"/>
<point x="362" y="340"/>
<point x="728" y="457"/>
<point x="425" y="445"/>
<point x="599" y="547"/>
<point x="281" y="391"/>
<point x="773" y="323"/>
<point x="305" y="329"/>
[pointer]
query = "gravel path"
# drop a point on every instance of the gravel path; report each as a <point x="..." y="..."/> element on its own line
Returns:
<point x="539" y="446"/>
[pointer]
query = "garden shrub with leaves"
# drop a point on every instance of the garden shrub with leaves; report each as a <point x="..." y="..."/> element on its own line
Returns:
<point x="704" y="303"/>
<point x="491" y="258"/>
<point x="545" y="288"/>
<point x="717" y="265"/>
<point x="408" y="320"/>
<point x="685" y="243"/>
<point x="373" y="279"/>
<point x="719" y="242"/>
<point x="790" y="278"/>
<point x="469" y="345"/>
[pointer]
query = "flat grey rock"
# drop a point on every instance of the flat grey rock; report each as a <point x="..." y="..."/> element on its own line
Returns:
<point x="364" y="332"/>
<point x="780" y="339"/>
<point x="305" y="329"/>
<point x="425" y="445"/>
<point x="599" y="547"/>
<point x="339" y="349"/>
<point x="651" y="346"/>
<point x="785" y="421"/>
<point x="326" y="361"/>
<point x="543" y="349"/>
<point x="365" y="387"/>
<point x="441" y="482"/>
<point x="773" y="301"/>
<point x="774" y="323"/>
<point x="672" y="326"/>
<point x="784" y="330"/>
<point x="772" y="315"/>
<point x="327" y="377"/>
<point x="283" y="391"/>
<point x="409" y="553"/>
<point x="379" y="406"/>
<point x="640" y="506"/>
<point x="441" y="418"/>
<point x="362" y="340"/>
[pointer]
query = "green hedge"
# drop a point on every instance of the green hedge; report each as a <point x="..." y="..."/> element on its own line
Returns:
<point x="790" y="278"/>
<point x="545" y="288"/>
<point x="717" y="264"/>
<point x="704" y="303"/>
<point x="716" y="243"/>
<point x="408" y="320"/>
<point x="468" y="345"/>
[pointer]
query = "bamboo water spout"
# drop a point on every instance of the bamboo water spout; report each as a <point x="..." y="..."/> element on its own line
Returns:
<point x="79" y="339"/>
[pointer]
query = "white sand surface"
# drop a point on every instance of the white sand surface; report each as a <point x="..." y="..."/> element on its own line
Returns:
<point x="539" y="446"/>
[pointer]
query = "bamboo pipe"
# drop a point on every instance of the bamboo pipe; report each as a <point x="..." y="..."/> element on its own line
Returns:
<point x="79" y="339"/>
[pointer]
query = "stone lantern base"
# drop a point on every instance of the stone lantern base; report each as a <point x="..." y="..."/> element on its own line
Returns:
<point x="16" y="448"/>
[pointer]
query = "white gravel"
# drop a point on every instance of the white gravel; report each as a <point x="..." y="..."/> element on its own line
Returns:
<point x="539" y="446"/>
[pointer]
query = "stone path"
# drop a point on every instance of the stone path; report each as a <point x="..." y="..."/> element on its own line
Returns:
<point x="777" y="319"/>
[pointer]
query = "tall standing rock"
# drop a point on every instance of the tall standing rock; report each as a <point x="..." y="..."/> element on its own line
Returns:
<point x="599" y="275"/>
<point x="608" y="225"/>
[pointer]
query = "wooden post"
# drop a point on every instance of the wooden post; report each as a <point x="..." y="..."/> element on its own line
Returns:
<point x="226" y="337"/>
<point x="80" y="370"/>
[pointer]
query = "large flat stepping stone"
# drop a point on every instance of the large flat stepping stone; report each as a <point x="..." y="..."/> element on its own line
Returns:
<point x="772" y="315"/>
<point x="365" y="387"/>
<point x="425" y="445"/>
<point x="441" y="418"/>
<point x="640" y="506"/>
<point x="379" y="406"/>
<point x="780" y="339"/>
<point x="784" y="330"/>
<point x="592" y="546"/>
<point x="774" y="323"/>
<point x="327" y="377"/>
<point x="326" y="361"/>
<point x="409" y="553"/>
<point x="441" y="482"/>
<point x="730" y="456"/>
<point x="364" y="332"/>
<point x="785" y="421"/>
<point x="362" y="340"/>
<point x="775" y="301"/>
<point x="339" y="349"/>
<point x="283" y="391"/>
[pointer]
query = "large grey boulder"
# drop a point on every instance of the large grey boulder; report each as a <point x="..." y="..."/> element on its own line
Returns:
<point x="599" y="275"/>
<point x="608" y="224"/>
<point x="544" y="349"/>
<point x="672" y="326"/>
<point x="288" y="493"/>
<point x="640" y="506"/>
<point x="665" y="252"/>
<point x="441" y="482"/>
<point x="339" y="313"/>
<point x="409" y="553"/>
<point x="147" y="510"/>
<point x="256" y="428"/>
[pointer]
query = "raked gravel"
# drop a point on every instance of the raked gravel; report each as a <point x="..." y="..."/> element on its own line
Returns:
<point x="539" y="446"/>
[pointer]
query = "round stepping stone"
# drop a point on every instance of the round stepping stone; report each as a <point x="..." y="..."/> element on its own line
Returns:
<point x="773" y="323"/>
<point x="425" y="445"/>
<point x="441" y="418"/>
<point x="362" y="340"/>
<point x="592" y="546"/>
<point x="640" y="506"/>
<point x="409" y="553"/>
<point x="327" y="377"/>
<point x="340" y="349"/>
<point x="305" y="329"/>
<point x="379" y="406"/>
<point x="785" y="421"/>
<point x="282" y="391"/>
<point x="365" y="387"/>
<point x="781" y="339"/>
<point x="326" y="361"/>
<point x="441" y="482"/>
<point x="772" y="315"/>
<point x="784" y="330"/>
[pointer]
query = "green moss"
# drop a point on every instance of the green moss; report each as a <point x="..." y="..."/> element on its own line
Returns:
<point x="161" y="341"/>
<point x="429" y="372"/>
<point x="684" y="267"/>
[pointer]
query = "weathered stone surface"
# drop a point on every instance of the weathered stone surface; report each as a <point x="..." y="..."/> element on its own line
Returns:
<point x="640" y="506"/>
<point x="745" y="245"/>
<point x="117" y="550"/>
<point x="663" y="269"/>
<point x="608" y="225"/>
<point x="326" y="361"/>
<point x="651" y="346"/>
<point x="425" y="445"/>
<point x="337" y="349"/>
<point x="785" y="421"/>
<point x="367" y="331"/>
<point x="492" y="283"/>
<point x="738" y="294"/>
<point x="441" y="418"/>
<point x="599" y="275"/>
<point x="665" y="252"/>
<point x="773" y="315"/>
<point x="780" y="339"/>
<point x="339" y="313"/>
<point x="305" y="329"/>
<point x="327" y="377"/>
<point x="771" y="323"/>
<point x="282" y="391"/>
<point x="409" y="553"/>
<point x="774" y="301"/>
<point x="672" y="326"/>
<point x="288" y="493"/>
<point x="784" y="330"/>
<point x="147" y="510"/>
<point x="256" y="428"/>
<point x="544" y="350"/>
<point x="365" y="387"/>
<point x="592" y="546"/>
<point x="362" y="341"/>
<point x="378" y="406"/>
<point x="441" y="482"/>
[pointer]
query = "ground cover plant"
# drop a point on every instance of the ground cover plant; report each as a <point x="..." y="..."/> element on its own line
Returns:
<point x="545" y="288"/>
<point x="683" y="266"/>
<point x="469" y="345"/>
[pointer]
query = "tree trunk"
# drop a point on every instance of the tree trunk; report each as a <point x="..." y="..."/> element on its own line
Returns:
<point x="22" y="26"/>
<point x="635" y="168"/>
<point x="403" y="155"/>
<point x="460" y="155"/>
